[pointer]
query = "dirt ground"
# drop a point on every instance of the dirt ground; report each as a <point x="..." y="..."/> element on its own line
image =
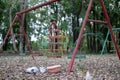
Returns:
<point x="106" y="67"/>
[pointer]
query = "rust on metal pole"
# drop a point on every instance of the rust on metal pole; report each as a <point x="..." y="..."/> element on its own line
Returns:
<point x="37" y="6"/>
<point x="110" y="28"/>
<point x="80" y="36"/>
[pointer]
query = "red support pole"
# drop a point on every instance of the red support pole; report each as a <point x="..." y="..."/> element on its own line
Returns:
<point x="110" y="27"/>
<point x="6" y="36"/>
<point x="38" y="6"/>
<point x="80" y="36"/>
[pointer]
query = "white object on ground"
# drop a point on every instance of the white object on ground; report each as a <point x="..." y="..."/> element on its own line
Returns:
<point x="32" y="70"/>
<point x="88" y="76"/>
<point x="42" y="69"/>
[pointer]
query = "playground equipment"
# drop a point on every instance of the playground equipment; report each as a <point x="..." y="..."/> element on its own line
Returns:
<point x="108" y="33"/>
<point x="56" y="39"/>
<point x="107" y="22"/>
<point x="19" y="18"/>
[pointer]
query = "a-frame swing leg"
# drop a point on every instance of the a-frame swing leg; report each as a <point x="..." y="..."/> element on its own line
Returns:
<point x="8" y="33"/>
<point x="24" y="33"/>
<point x="110" y="28"/>
<point x="82" y="30"/>
<point x="17" y="17"/>
<point x="80" y="36"/>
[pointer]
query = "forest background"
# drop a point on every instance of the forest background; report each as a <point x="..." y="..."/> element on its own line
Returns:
<point x="68" y="14"/>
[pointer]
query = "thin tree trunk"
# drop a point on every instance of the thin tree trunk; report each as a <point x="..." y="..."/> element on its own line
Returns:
<point x="12" y="33"/>
<point x="23" y="6"/>
<point x="91" y="46"/>
<point x="94" y="29"/>
<point x="119" y="39"/>
<point x="88" y="38"/>
<point x="21" y="37"/>
<point x="75" y="18"/>
<point x="25" y="25"/>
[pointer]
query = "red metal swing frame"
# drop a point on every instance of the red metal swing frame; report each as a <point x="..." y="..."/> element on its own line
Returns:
<point x="107" y="22"/>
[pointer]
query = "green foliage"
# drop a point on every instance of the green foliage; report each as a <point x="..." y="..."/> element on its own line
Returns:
<point x="64" y="25"/>
<point x="38" y="21"/>
<point x="35" y="45"/>
<point x="66" y="7"/>
<point x="1" y="10"/>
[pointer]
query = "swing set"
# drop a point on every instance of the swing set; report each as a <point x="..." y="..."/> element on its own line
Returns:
<point x="18" y="18"/>
<point x="106" y="39"/>
<point x="107" y="22"/>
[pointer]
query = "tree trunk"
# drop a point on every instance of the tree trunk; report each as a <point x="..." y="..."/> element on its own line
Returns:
<point x="74" y="29"/>
<point x="94" y="29"/>
<point x="75" y="18"/>
<point x="25" y="25"/>
<point x="119" y="31"/>
<point x="4" y="31"/>
<point x="12" y="33"/>
<point x="91" y="45"/>
<point x="22" y="42"/>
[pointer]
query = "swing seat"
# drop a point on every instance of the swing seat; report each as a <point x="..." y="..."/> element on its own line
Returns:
<point x="77" y="57"/>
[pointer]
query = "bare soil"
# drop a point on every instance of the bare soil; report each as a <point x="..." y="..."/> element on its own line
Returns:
<point x="106" y="67"/>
